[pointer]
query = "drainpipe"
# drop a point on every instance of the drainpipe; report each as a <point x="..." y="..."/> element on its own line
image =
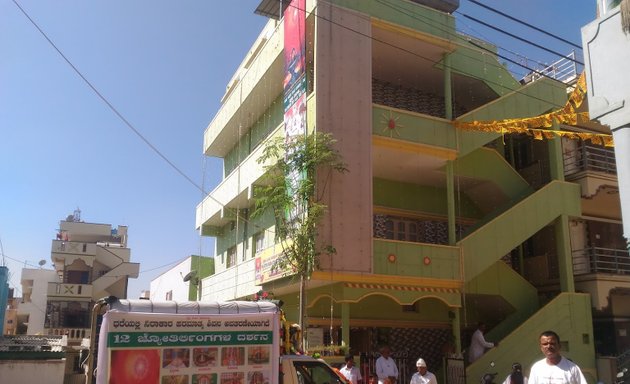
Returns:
<point x="96" y="310"/>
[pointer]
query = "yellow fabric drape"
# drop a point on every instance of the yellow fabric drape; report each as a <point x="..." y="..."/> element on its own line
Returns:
<point x="533" y="125"/>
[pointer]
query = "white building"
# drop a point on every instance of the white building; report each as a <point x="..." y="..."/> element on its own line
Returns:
<point x="91" y="261"/>
<point x="32" y="309"/>
<point x="182" y="282"/>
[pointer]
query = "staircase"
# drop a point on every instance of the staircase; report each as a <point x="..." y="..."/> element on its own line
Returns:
<point x="496" y="238"/>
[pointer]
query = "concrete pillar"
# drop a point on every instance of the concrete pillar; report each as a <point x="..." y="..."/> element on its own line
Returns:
<point x="345" y="324"/>
<point x="563" y="250"/>
<point x="556" y="161"/>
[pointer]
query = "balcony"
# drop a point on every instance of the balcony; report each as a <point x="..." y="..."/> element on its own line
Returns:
<point x="74" y="335"/>
<point x="601" y="260"/>
<point x="68" y="290"/>
<point x="590" y="158"/>
<point x="66" y="252"/>
<point x="234" y="190"/>
<point x="401" y="258"/>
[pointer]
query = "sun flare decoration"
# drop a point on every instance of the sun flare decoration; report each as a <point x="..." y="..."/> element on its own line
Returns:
<point x="390" y="123"/>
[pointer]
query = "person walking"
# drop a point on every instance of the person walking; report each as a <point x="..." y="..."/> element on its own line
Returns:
<point x="478" y="343"/>
<point x="516" y="376"/>
<point x="350" y="371"/>
<point x="386" y="368"/>
<point x="423" y="376"/>
<point x="554" y="368"/>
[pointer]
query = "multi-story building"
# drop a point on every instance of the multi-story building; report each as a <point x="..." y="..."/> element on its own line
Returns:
<point x="31" y="314"/>
<point x="183" y="281"/>
<point x="90" y="261"/>
<point x="436" y="227"/>
<point x="10" y="318"/>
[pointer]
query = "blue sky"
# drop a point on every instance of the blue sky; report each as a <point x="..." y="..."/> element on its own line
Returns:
<point x="164" y="66"/>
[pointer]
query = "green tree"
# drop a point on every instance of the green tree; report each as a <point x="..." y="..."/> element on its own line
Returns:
<point x="291" y="191"/>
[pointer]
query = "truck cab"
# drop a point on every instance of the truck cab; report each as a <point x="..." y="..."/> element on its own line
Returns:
<point x="298" y="369"/>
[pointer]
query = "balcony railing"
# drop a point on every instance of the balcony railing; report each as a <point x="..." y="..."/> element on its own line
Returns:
<point x="74" y="334"/>
<point x="601" y="260"/>
<point x="69" y="290"/>
<point x="590" y="158"/>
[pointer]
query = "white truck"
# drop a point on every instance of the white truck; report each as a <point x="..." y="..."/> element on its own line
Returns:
<point x="236" y="342"/>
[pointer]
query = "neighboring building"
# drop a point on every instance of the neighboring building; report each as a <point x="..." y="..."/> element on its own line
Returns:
<point x="435" y="227"/>
<point x="606" y="43"/>
<point x="32" y="309"/>
<point x="4" y="293"/>
<point x="183" y="281"/>
<point x="10" y="318"/>
<point x="91" y="261"/>
<point x="35" y="359"/>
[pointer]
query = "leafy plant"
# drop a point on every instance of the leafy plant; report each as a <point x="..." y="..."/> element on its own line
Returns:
<point x="291" y="191"/>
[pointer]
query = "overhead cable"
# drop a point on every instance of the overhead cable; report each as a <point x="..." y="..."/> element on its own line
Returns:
<point x="518" y="37"/>
<point x="526" y="24"/>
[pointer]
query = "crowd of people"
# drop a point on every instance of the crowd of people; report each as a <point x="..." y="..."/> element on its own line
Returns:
<point x="552" y="369"/>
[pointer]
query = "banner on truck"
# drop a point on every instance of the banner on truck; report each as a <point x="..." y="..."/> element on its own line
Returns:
<point x="154" y="348"/>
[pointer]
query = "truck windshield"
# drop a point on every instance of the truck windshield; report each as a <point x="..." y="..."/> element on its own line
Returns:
<point x="315" y="372"/>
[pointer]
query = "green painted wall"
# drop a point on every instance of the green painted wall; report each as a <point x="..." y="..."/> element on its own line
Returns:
<point x="496" y="238"/>
<point x="569" y="315"/>
<point x="379" y="307"/>
<point x="406" y="14"/>
<point x="258" y="131"/>
<point x="244" y="231"/>
<point x="204" y="267"/>
<point x="418" y="198"/>
<point x="444" y="260"/>
<point x="481" y="64"/>
<point x="414" y="127"/>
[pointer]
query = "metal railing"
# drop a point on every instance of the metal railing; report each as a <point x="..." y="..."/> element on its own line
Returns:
<point x="590" y="158"/>
<point x="564" y="70"/>
<point x="601" y="260"/>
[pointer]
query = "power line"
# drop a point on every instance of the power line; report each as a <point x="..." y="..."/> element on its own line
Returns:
<point x="526" y="24"/>
<point x="170" y="163"/>
<point x="431" y="23"/>
<point x="500" y="85"/>
<point x="104" y="99"/>
<point x="121" y="117"/>
<point x="517" y="37"/>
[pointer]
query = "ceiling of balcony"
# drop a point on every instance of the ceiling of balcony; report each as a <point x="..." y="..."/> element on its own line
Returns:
<point x="429" y="170"/>
<point x="414" y="63"/>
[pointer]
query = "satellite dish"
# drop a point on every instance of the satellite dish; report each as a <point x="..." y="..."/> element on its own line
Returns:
<point x="41" y="263"/>
<point x="190" y="276"/>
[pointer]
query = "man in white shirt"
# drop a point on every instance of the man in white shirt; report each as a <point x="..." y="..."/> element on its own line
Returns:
<point x="478" y="344"/>
<point x="386" y="367"/>
<point x="350" y="371"/>
<point x="554" y="369"/>
<point x="423" y="376"/>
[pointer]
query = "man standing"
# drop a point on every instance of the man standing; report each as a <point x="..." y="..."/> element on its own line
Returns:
<point x="350" y="371"/>
<point x="478" y="343"/>
<point x="423" y="376"/>
<point x="386" y="367"/>
<point x="554" y="369"/>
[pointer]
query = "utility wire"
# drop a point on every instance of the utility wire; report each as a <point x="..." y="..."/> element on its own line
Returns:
<point x="111" y="107"/>
<point x="469" y="40"/>
<point x="121" y="117"/>
<point x="168" y="161"/>
<point x="446" y="66"/>
<point x="518" y="37"/>
<point x="526" y="24"/>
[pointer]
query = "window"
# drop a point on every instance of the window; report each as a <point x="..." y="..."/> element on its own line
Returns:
<point x="231" y="257"/>
<point x="259" y="242"/>
<point x="169" y="295"/>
